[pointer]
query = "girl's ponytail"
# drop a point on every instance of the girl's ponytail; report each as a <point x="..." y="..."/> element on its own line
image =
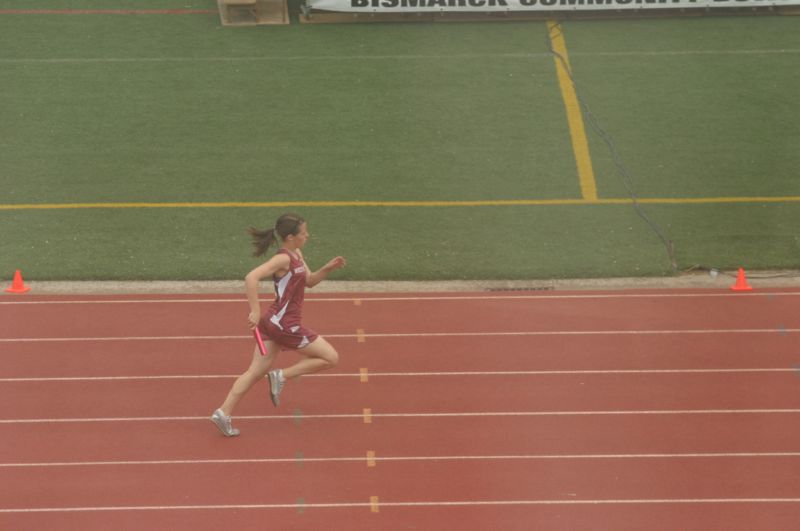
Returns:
<point x="287" y="224"/>
<point x="262" y="240"/>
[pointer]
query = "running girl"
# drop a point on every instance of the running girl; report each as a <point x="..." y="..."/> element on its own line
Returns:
<point x="280" y="325"/>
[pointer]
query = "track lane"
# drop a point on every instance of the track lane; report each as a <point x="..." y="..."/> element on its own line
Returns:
<point x="492" y="393"/>
<point x="520" y="517"/>
<point x="399" y="437"/>
<point x="249" y="483"/>
<point x="431" y="354"/>
<point x="487" y="314"/>
<point x="568" y="483"/>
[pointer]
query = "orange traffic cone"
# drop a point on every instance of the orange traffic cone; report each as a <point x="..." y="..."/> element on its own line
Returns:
<point x="741" y="282"/>
<point x="18" y="286"/>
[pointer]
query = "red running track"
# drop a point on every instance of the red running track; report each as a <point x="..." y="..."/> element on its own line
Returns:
<point x="595" y="410"/>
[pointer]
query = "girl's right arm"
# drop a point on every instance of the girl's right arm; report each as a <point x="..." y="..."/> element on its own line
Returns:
<point x="277" y="264"/>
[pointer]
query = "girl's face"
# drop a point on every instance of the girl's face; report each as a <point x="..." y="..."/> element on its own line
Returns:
<point x="301" y="237"/>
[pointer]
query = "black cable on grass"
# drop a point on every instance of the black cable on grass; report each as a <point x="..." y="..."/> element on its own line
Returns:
<point x="622" y="171"/>
<point x="715" y="271"/>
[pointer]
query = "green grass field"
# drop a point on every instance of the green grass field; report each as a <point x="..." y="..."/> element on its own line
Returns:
<point x="174" y="108"/>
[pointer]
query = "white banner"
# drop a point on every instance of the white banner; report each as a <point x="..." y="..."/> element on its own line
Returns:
<point x="395" y="6"/>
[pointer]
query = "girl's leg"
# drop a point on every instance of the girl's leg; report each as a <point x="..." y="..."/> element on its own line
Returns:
<point x="257" y="370"/>
<point x="319" y="355"/>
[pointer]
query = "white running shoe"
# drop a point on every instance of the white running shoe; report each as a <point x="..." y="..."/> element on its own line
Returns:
<point x="276" y="382"/>
<point x="223" y="422"/>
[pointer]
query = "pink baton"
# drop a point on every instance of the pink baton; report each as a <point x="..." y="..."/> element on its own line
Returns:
<point x="260" y="341"/>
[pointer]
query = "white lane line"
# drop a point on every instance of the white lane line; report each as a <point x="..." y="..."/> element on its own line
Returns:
<point x="360" y="416"/>
<point x="408" y="374"/>
<point x="594" y="502"/>
<point x="372" y="504"/>
<point x="389" y="459"/>
<point x="129" y="338"/>
<point x="131" y="378"/>
<point x="591" y="332"/>
<point x="145" y="301"/>
<point x="778" y="330"/>
<point x="416" y="298"/>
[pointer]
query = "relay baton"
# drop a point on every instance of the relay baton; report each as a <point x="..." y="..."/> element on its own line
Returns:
<point x="260" y="341"/>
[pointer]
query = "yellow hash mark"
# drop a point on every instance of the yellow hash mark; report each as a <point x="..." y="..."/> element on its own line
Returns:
<point x="364" y="375"/>
<point x="580" y="146"/>
<point x="360" y="336"/>
<point x="370" y="458"/>
<point x="367" y="416"/>
<point x="373" y="504"/>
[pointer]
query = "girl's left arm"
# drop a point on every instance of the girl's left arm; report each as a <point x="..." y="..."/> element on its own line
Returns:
<point x="312" y="279"/>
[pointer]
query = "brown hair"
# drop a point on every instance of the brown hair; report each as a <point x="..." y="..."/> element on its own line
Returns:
<point x="287" y="225"/>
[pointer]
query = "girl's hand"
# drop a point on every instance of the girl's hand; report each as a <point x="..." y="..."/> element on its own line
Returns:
<point x="252" y="320"/>
<point x="337" y="263"/>
<point x="312" y="279"/>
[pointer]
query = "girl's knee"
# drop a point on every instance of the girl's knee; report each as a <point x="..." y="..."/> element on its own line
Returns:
<point x="323" y="350"/>
<point x="332" y="358"/>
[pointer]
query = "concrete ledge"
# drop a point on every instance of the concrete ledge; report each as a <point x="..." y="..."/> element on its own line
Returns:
<point x="696" y="280"/>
